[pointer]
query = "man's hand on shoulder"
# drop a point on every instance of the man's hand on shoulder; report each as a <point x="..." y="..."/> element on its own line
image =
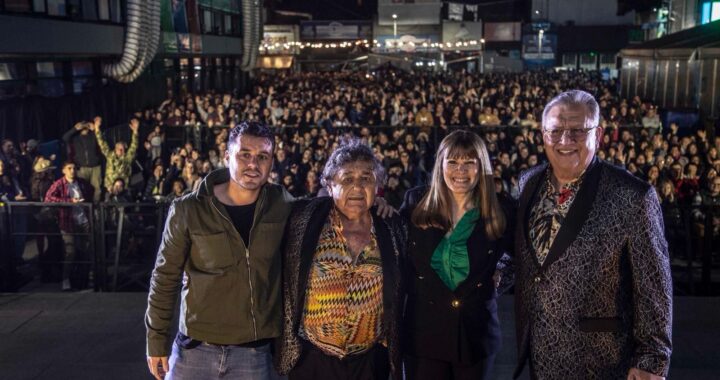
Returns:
<point x="384" y="210"/>
<point x="158" y="366"/>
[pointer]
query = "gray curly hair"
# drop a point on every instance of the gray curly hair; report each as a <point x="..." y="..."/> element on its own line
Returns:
<point x="349" y="151"/>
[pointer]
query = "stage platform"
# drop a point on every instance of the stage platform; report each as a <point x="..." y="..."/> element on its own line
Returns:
<point x="102" y="336"/>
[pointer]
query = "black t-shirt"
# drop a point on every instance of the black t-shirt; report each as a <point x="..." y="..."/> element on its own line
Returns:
<point x="242" y="218"/>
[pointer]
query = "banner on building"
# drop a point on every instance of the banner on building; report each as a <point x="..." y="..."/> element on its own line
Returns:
<point x="408" y="43"/>
<point x="460" y="12"/>
<point x="455" y="11"/>
<point x="539" y="49"/>
<point x="278" y="36"/>
<point x="336" y="30"/>
<point x="180" y="26"/>
<point x="458" y="34"/>
<point x="503" y="31"/>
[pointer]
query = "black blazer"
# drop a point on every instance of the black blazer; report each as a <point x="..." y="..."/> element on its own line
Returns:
<point x="459" y="326"/>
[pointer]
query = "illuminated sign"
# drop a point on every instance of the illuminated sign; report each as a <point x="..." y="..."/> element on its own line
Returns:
<point x="710" y="12"/>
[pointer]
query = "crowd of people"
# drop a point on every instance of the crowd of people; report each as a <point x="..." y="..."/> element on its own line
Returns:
<point x="401" y="115"/>
<point x="349" y="289"/>
<point x="355" y="135"/>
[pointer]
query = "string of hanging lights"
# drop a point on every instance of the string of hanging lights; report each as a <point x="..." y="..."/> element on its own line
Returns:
<point x="314" y="45"/>
<point x="367" y="44"/>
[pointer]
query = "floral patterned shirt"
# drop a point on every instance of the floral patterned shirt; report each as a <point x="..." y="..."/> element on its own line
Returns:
<point x="549" y="212"/>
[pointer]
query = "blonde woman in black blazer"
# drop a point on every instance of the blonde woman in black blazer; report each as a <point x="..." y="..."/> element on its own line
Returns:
<point x="455" y="333"/>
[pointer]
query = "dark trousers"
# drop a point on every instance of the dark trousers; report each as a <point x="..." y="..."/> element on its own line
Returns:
<point x="425" y="368"/>
<point x="531" y="369"/>
<point x="314" y="364"/>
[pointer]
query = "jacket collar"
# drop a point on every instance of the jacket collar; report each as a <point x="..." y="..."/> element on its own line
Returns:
<point x="219" y="176"/>
<point x="320" y="207"/>
<point x="576" y="216"/>
<point x="527" y="198"/>
<point x="215" y="177"/>
<point x="314" y="227"/>
<point x="311" y="237"/>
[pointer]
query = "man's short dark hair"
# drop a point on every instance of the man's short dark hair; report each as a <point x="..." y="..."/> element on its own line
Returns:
<point x="67" y="163"/>
<point x="250" y="128"/>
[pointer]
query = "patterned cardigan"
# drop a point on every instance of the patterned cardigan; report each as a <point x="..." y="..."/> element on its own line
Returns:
<point x="601" y="303"/>
<point x="301" y="237"/>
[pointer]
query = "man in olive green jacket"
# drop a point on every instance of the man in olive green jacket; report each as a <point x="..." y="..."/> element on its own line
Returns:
<point x="222" y="244"/>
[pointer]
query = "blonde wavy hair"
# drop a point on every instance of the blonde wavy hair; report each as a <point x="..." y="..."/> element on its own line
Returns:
<point x="434" y="210"/>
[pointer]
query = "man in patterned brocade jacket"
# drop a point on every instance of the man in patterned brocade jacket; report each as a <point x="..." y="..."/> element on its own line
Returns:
<point x="594" y="290"/>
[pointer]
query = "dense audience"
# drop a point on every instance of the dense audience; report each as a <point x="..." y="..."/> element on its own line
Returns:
<point x="401" y="115"/>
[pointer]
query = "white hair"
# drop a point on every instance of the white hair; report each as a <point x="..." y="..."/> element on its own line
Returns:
<point x="576" y="98"/>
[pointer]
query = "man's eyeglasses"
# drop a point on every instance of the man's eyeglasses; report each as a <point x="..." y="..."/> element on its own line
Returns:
<point x="575" y="134"/>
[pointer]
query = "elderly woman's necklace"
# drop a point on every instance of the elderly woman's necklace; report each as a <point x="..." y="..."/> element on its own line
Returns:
<point x="356" y="239"/>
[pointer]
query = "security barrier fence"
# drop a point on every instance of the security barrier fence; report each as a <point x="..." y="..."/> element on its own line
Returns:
<point x="115" y="249"/>
<point x="104" y="247"/>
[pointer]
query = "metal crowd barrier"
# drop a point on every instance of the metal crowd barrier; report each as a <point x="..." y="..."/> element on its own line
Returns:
<point x="123" y="239"/>
<point x="118" y="253"/>
<point x="708" y="243"/>
<point x="142" y="225"/>
<point x="38" y="221"/>
<point x="694" y="248"/>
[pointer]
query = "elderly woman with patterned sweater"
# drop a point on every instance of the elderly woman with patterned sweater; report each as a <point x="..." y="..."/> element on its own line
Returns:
<point x="342" y="267"/>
